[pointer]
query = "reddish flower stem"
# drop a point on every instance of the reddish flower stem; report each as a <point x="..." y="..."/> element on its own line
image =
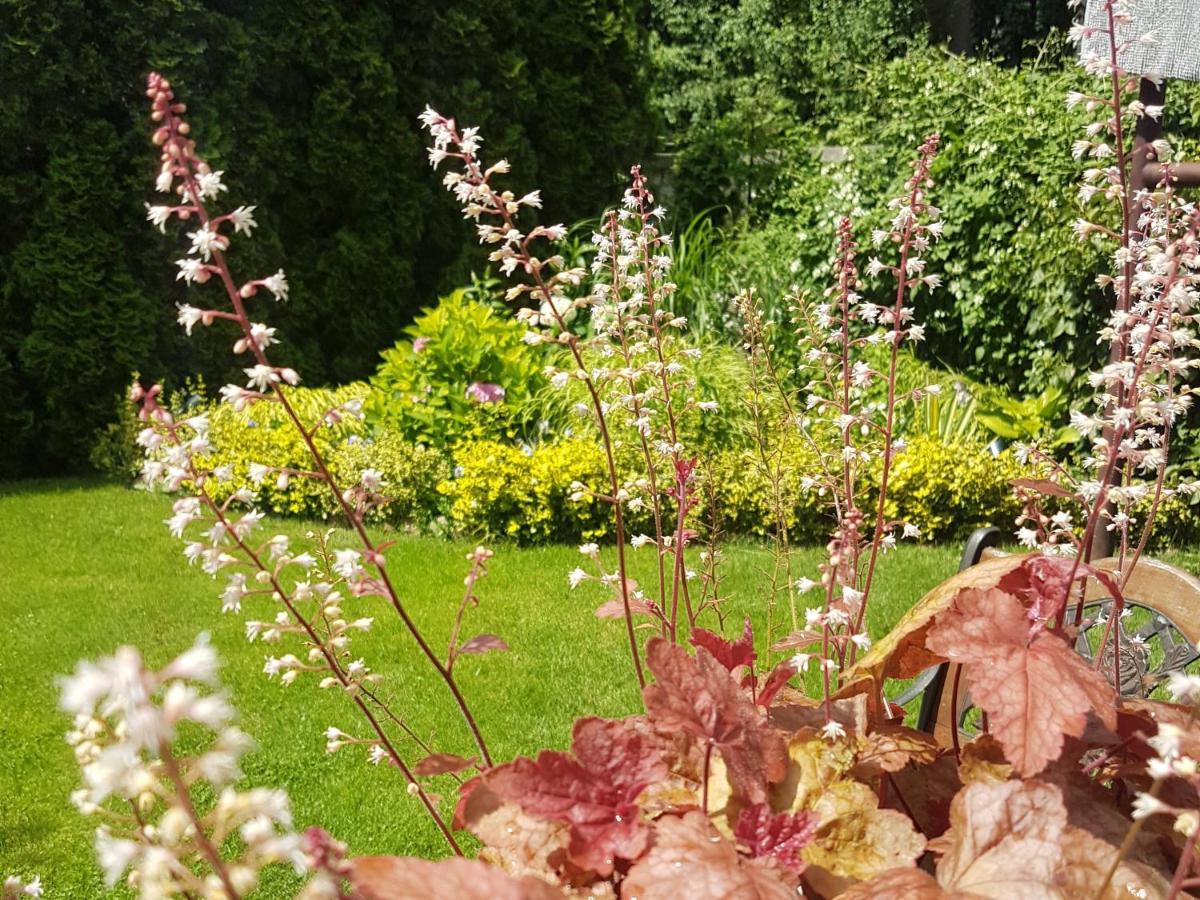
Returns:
<point x="184" y="798"/>
<point x="500" y="208"/>
<point x="187" y="164"/>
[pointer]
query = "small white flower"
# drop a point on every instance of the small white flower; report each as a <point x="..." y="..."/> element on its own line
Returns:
<point x="371" y="480"/>
<point x="1184" y="687"/>
<point x="347" y="563"/>
<point x="577" y="577"/>
<point x="189" y="317"/>
<point x="192" y="270"/>
<point x="159" y="216"/>
<point x="1145" y="806"/>
<point x="210" y="185"/>
<point x="243" y="220"/>
<point x="277" y="284"/>
<point x="115" y="855"/>
<point x="206" y="241"/>
<point x="260" y="377"/>
<point x="832" y="731"/>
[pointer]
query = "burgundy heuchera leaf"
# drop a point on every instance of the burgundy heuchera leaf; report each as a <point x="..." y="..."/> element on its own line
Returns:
<point x="690" y="860"/>
<point x="774" y="683"/>
<point x="1043" y="583"/>
<point x="699" y="697"/>
<point x="730" y="654"/>
<point x="776" y="836"/>
<point x="593" y="793"/>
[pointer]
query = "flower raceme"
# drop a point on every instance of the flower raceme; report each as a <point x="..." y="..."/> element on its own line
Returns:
<point x="147" y="791"/>
<point x="849" y="432"/>
<point x="316" y="593"/>
<point x="1151" y="334"/>
<point x="631" y="364"/>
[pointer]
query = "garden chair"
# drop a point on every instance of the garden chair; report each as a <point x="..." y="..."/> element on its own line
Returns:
<point x="1158" y="635"/>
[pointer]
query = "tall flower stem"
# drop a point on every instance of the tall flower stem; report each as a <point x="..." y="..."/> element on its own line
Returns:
<point x="499" y="207"/>
<point x="331" y="662"/>
<point x="915" y="205"/>
<point x="184" y="798"/>
<point x="175" y="137"/>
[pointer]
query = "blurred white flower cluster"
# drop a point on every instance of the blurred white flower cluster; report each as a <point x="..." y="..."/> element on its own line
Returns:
<point x="171" y="817"/>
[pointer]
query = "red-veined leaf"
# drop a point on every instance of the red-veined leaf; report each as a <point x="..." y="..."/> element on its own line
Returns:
<point x="690" y="860"/>
<point x="774" y="683"/>
<point x="778" y="837"/>
<point x="1004" y="841"/>
<point x="593" y="793"/>
<point x="483" y="643"/>
<point x="699" y="697"/>
<point x="406" y="878"/>
<point x="798" y="640"/>
<point x="1035" y="692"/>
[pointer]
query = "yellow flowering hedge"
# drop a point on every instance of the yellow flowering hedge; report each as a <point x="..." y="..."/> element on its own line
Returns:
<point x="495" y="490"/>
<point x="949" y="490"/>
<point x="503" y="491"/>
<point x="262" y="434"/>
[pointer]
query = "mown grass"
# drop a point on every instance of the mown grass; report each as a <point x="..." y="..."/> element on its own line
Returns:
<point x="86" y="567"/>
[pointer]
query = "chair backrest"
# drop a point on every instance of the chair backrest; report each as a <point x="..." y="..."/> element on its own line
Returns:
<point x="1155" y="585"/>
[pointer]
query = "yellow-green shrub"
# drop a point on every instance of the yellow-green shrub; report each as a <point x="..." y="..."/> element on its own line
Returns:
<point x="1176" y="524"/>
<point x="948" y="490"/>
<point x="263" y="434"/>
<point x="501" y="491"/>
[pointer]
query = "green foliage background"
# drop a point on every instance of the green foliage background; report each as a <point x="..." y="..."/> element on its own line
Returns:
<point x="310" y="106"/>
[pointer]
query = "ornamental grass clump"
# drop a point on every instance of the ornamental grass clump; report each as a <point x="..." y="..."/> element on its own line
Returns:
<point x="733" y="782"/>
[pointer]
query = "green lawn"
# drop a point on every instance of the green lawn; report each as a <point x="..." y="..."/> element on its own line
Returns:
<point x="86" y="567"/>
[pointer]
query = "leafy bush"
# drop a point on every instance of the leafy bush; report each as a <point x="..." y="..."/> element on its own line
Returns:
<point x="263" y="436"/>
<point x="950" y="490"/>
<point x="339" y="167"/>
<point x="501" y="491"/>
<point x="947" y="490"/>
<point x="1008" y="254"/>
<point x="423" y="389"/>
<point x="730" y="80"/>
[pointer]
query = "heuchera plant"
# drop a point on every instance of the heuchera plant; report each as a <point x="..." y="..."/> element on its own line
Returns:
<point x="733" y="783"/>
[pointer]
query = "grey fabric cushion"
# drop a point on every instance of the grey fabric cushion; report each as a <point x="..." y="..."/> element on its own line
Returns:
<point x="1175" y="25"/>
